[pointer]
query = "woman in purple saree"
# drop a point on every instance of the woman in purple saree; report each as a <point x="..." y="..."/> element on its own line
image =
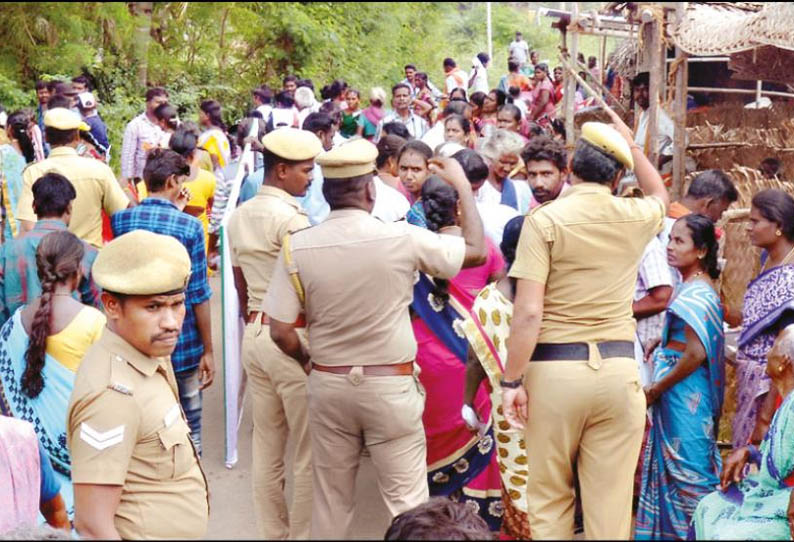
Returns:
<point x="768" y="307"/>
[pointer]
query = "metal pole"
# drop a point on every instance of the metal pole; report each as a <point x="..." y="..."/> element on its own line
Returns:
<point x="488" y="18"/>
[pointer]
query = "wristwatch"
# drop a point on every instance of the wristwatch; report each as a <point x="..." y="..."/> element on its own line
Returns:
<point x="512" y="384"/>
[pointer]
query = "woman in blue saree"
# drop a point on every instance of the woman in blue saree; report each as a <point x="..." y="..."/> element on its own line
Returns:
<point x="42" y="345"/>
<point x="14" y="156"/>
<point x="768" y="308"/>
<point x="681" y="463"/>
<point x="760" y="506"/>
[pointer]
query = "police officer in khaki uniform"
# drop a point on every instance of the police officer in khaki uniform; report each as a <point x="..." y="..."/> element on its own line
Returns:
<point x="135" y="471"/>
<point x="93" y="181"/>
<point x="276" y="382"/>
<point x="572" y="334"/>
<point x="357" y="275"/>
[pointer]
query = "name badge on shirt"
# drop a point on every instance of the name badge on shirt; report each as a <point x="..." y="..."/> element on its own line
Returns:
<point x="171" y="415"/>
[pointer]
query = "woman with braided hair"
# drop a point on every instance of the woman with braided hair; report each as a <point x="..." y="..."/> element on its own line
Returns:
<point x="41" y="347"/>
<point x="461" y="460"/>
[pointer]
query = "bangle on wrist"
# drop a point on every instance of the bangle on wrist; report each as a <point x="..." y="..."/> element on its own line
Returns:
<point x="512" y="384"/>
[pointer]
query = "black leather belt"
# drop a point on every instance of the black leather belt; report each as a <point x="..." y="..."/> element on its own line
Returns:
<point x="580" y="351"/>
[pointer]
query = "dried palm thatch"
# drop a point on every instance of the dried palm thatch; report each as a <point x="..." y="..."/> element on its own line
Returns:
<point x="624" y="58"/>
<point x="735" y="116"/>
<point x="725" y="28"/>
<point x="765" y="63"/>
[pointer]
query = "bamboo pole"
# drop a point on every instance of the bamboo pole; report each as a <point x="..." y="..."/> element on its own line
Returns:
<point x="653" y="44"/>
<point x="575" y="77"/>
<point x="679" y="116"/>
<point x="570" y="82"/>
<point x="602" y="88"/>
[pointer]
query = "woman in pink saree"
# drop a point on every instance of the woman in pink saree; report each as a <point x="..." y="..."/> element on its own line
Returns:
<point x="461" y="463"/>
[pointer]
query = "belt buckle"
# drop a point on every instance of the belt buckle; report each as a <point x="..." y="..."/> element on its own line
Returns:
<point x="356" y="375"/>
<point x="594" y="360"/>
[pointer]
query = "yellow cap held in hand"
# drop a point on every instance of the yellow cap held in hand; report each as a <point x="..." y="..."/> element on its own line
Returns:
<point x="609" y="140"/>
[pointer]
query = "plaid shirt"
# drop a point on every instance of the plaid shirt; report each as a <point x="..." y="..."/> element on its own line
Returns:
<point x="19" y="280"/>
<point x="161" y="216"/>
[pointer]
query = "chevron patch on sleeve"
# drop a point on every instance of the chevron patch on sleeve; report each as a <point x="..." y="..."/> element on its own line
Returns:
<point x="101" y="440"/>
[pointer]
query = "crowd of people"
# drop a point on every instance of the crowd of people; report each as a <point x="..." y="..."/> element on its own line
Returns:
<point x="532" y="334"/>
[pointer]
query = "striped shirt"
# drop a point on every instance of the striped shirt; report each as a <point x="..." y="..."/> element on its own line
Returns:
<point x="140" y="136"/>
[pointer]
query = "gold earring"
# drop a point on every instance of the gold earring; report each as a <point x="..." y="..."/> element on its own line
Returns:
<point x="778" y="233"/>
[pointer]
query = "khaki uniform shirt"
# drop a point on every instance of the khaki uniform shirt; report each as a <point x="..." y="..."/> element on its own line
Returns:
<point x="125" y="427"/>
<point x="94" y="183"/>
<point x="586" y="247"/>
<point x="256" y="230"/>
<point x="358" y="274"/>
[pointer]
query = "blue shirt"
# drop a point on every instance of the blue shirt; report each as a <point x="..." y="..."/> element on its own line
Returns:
<point x="314" y="202"/>
<point x="159" y="215"/>
<point x="19" y="279"/>
<point x="98" y="129"/>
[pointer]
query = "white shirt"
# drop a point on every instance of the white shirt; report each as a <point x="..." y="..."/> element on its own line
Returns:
<point x="664" y="142"/>
<point x="284" y="117"/>
<point x="480" y="75"/>
<point x="390" y="204"/>
<point x="495" y="217"/>
<point x="434" y="136"/>
<point x="489" y="194"/>
<point x="665" y="131"/>
<point x="417" y="126"/>
<point x="456" y="79"/>
<point x="265" y="110"/>
<point x="519" y="50"/>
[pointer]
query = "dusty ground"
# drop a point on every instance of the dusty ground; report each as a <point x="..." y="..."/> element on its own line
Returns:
<point x="232" y="512"/>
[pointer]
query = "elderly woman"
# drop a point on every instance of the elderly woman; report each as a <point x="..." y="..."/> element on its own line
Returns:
<point x="758" y="507"/>
<point x="501" y="152"/>
<point x="371" y="116"/>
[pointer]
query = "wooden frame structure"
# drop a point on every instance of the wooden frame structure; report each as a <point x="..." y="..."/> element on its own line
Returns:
<point x="650" y="24"/>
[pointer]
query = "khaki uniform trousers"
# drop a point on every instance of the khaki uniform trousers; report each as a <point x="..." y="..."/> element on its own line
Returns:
<point x="348" y="412"/>
<point x="591" y="414"/>
<point x="278" y="390"/>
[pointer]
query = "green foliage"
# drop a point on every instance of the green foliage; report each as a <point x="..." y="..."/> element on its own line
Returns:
<point x="217" y="50"/>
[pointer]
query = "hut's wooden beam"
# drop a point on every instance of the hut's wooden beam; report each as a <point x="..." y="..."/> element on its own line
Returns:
<point x="679" y="115"/>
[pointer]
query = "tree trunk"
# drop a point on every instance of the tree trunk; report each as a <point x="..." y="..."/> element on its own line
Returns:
<point x="143" y="13"/>
<point x="221" y="43"/>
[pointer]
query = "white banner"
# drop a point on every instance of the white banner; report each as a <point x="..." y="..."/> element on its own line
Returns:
<point x="232" y="324"/>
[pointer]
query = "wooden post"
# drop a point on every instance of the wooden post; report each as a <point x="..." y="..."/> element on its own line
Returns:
<point x="570" y="82"/>
<point x="679" y="115"/>
<point x="653" y="44"/>
<point x="603" y="70"/>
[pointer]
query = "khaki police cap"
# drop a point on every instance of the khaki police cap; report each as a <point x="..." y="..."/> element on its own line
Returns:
<point x="351" y="159"/>
<point x="607" y="139"/>
<point x="61" y="118"/>
<point x="292" y="144"/>
<point x="142" y="263"/>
